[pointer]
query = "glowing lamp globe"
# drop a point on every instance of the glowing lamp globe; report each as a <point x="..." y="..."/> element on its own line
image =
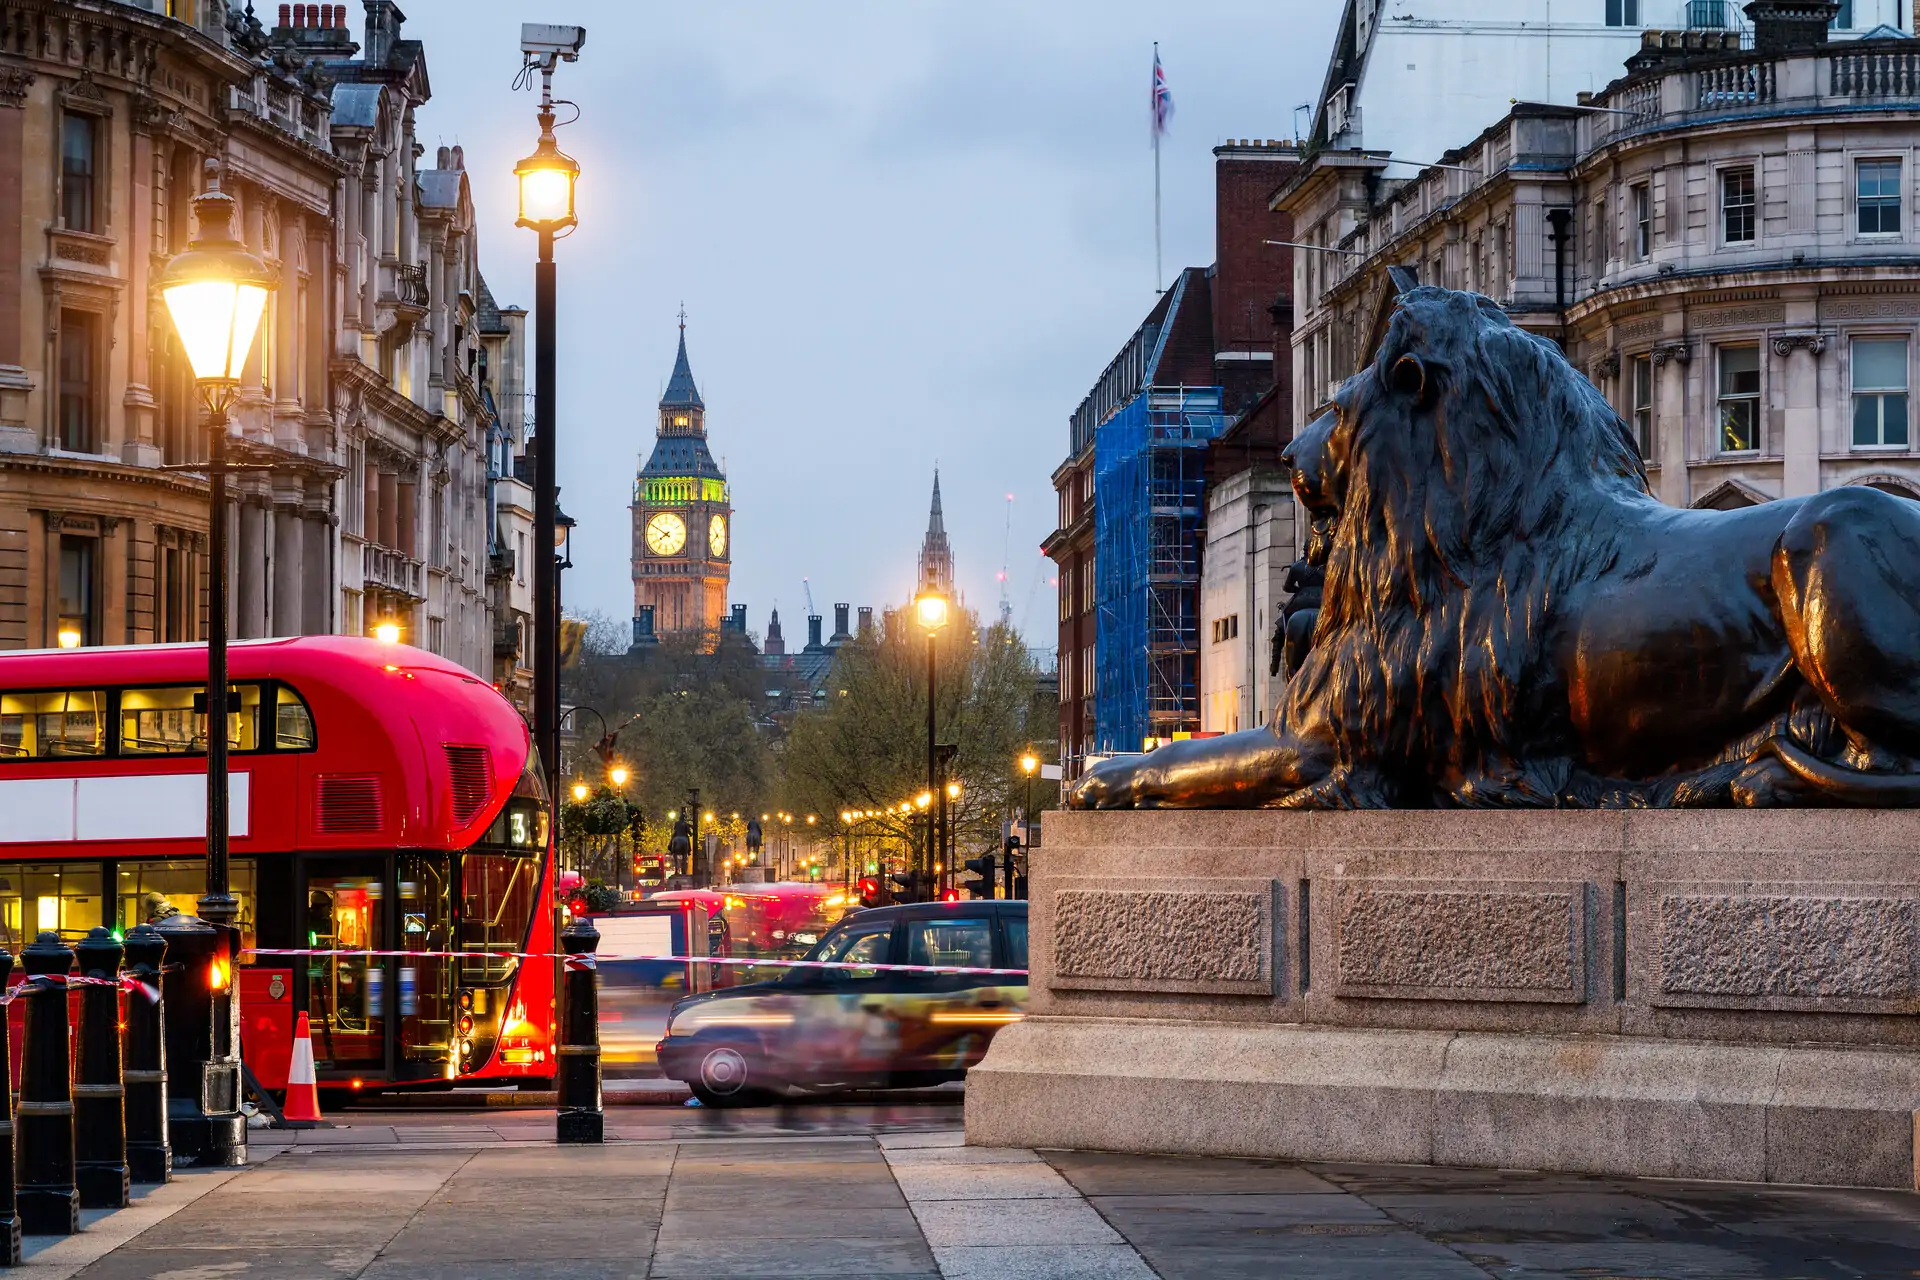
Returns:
<point x="931" y="609"/>
<point x="1028" y="763"/>
<point x="580" y="791"/>
<point x="547" y="179"/>
<point x="618" y="775"/>
<point x="387" y="632"/>
<point x="216" y="292"/>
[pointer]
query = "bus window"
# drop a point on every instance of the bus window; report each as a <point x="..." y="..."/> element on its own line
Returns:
<point x="149" y="892"/>
<point x="346" y="994"/>
<point x="42" y="896"/>
<point x="292" y="722"/>
<point x="173" y="720"/>
<point x="51" y="724"/>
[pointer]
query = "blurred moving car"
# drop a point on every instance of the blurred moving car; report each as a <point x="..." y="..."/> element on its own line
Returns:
<point x="859" y="1028"/>
<point x="764" y="921"/>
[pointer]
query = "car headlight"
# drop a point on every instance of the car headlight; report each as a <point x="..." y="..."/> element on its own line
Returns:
<point x="805" y="939"/>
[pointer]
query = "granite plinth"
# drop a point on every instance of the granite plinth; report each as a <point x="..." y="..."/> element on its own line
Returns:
<point x="1682" y="994"/>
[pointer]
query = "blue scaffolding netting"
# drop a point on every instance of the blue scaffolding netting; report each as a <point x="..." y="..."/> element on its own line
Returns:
<point x="1149" y="477"/>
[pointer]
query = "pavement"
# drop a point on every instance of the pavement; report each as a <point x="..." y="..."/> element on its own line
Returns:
<point x="891" y="1190"/>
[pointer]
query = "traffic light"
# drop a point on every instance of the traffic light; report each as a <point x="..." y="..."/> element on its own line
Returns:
<point x="909" y="886"/>
<point x="1016" y="884"/>
<point x="872" y="892"/>
<point x="981" y="866"/>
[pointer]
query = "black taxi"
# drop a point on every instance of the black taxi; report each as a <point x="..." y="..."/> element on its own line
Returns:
<point x="858" y="1027"/>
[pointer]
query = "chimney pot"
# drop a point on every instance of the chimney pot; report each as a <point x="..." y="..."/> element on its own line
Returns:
<point x="443" y="158"/>
<point x="340" y="16"/>
<point x="299" y="15"/>
<point x="285" y="12"/>
<point x="459" y="157"/>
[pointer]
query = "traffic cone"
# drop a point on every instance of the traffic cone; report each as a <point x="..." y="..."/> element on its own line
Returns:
<point x="302" y="1110"/>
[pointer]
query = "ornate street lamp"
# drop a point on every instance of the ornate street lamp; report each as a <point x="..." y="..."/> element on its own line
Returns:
<point x="215" y="292"/>
<point x="546" y="180"/>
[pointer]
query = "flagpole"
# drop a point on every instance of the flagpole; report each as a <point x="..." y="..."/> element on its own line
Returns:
<point x="1159" y="273"/>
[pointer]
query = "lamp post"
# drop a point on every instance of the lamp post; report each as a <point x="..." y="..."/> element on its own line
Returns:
<point x="215" y="292"/>
<point x="931" y="608"/>
<point x="546" y="179"/>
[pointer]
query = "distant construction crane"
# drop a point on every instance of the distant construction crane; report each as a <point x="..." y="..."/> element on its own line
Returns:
<point x="806" y="585"/>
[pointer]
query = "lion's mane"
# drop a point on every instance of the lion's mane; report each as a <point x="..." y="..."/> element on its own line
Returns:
<point x="1438" y="604"/>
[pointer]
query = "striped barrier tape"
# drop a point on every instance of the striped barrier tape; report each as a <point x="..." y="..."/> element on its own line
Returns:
<point x="588" y="961"/>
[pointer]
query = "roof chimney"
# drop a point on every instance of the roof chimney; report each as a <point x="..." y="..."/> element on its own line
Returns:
<point x="813" y="635"/>
<point x="840" y="633"/>
<point x="740" y="618"/>
<point x="866" y="622"/>
<point x="1782" y="26"/>
<point x="443" y="158"/>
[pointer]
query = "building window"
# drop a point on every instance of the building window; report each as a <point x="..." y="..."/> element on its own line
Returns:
<point x="1880" y="393"/>
<point x="1736" y="206"/>
<point x="1086" y="585"/>
<point x="78" y="623"/>
<point x="1622" y="13"/>
<point x="1843" y="20"/>
<point x="78" y="136"/>
<point x="520" y="557"/>
<point x="1877" y="188"/>
<point x="1087" y="685"/>
<point x="1643" y="405"/>
<point x="79" y="335"/>
<point x="1739" y="399"/>
<point x="173" y="595"/>
<point x="1642" y="222"/>
<point x="1597" y="245"/>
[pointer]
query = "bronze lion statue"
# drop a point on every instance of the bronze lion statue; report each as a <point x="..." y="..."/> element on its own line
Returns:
<point x="1510" y="618"/>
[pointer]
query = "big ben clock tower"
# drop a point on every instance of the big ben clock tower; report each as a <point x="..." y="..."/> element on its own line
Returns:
<point x="682" y="517"/>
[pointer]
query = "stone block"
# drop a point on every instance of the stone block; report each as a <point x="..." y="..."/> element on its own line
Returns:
<point x="1165" y="936"/>
<point x="1444" y="940"/>
<point x="1788" y="948"/>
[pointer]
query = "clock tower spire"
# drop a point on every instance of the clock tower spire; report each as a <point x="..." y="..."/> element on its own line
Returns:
<point x="682" y="514"/>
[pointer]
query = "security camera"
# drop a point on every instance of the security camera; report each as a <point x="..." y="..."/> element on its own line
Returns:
<point x="547" y="44"/>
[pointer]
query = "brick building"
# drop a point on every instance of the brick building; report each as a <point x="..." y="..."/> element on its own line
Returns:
<point x="1132" y="491"/>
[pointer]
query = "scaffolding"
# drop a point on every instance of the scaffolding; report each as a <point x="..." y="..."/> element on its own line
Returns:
<point x="1149" y="466"/>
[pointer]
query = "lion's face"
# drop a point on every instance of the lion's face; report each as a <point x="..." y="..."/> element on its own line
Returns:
<point x="1317" y="458"/>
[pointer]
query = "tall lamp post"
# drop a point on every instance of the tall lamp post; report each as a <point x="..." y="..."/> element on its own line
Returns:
<point x="547" y="179"/>
<point x="931" y="608"/>
<point x="216" y="293"/>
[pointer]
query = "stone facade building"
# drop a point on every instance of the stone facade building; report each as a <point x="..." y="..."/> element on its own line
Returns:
<point x="380" y="404"/>
<point x="1723" y="239"/>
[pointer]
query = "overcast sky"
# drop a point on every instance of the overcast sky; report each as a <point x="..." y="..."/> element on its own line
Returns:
<point x="905" y="231"/>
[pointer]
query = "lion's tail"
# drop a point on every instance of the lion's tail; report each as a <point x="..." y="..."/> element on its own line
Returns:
<point x="1844" y="785"/>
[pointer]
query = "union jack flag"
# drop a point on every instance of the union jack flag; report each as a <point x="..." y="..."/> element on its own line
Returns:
<point x="1162" y="96"/>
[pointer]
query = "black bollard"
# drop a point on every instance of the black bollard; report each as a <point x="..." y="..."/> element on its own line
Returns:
<point x="580" y="1119"/>
<point x="9" y="1213"/>
<point x="149" y="1158"/>
<point x="99" y="1099"/>
<point x="204" y="1120"/>
<point x="49" y="1201"/>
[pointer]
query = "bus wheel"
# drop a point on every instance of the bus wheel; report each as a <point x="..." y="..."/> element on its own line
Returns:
<point x="727" y="1079"/>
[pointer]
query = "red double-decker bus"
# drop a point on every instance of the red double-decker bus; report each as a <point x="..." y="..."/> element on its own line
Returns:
<point x="382" y="799"/>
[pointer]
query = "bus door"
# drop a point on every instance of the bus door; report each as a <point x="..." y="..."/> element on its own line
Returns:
<point x="426" y="981"/>
<point x="347" y="995"/>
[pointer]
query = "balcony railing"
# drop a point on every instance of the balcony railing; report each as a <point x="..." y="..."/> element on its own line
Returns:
<point x="402" y="574"/>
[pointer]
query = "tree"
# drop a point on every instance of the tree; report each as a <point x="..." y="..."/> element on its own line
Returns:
<point x="866" y="748"/>
<point x="685" y="714"/>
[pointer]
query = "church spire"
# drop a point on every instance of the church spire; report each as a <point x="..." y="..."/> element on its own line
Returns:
<point x="936" y="555"/>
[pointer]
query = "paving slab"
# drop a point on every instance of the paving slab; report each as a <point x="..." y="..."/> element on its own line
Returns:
<point x="705" y="1259"/>
<point x="1042" y="1262"/>
<point x="749" y="1219"/>
<point x="1097" y="1173"/>
<point x="1000" y="1222"/>
<point x="982" y="1182"/>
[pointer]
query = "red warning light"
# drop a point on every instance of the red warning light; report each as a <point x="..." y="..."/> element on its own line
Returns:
<point x="951" y="895"/>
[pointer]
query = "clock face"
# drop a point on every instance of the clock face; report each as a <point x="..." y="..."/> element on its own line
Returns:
<point x="666" y="534"/>
<point x="717" y="535"/>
